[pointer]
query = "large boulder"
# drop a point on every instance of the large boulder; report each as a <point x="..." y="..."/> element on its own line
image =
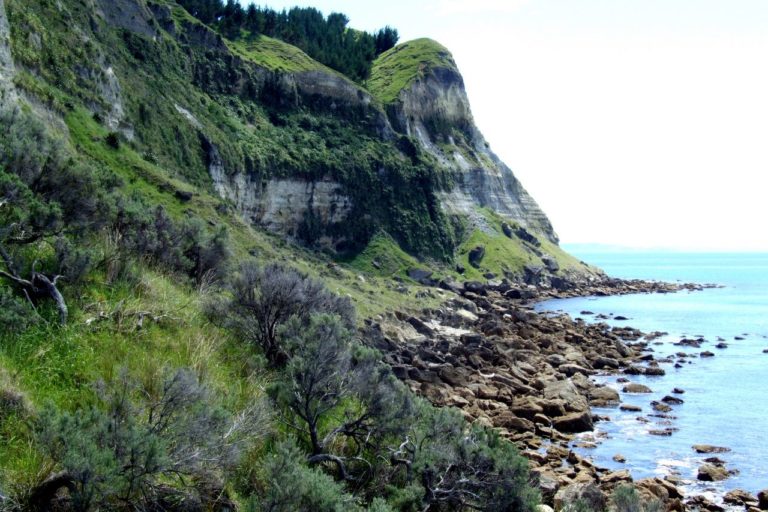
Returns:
<point x="567" y="391"/>
<point x="574" y="422"/>
<point x="712" y="473"/>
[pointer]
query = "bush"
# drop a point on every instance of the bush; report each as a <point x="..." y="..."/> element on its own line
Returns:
<point x="293" y="486"/>
<point x="122" y="450"/>
<point x="263" y="299"/>
<point x="626" y="499"/>
<point x="16" y="313"/>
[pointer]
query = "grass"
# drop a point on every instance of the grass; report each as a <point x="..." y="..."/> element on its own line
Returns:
<point x="397" y="68"/>
<point x="275" y="55"/>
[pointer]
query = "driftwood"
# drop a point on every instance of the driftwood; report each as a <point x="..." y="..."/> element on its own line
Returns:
<point x="37" y="286"/>
<point x="42" y="496"/>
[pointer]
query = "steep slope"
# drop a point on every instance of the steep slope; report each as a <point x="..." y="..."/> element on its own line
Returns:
<point x="424" y="93"/>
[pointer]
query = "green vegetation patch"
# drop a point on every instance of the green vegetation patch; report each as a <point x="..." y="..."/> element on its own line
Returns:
<point x="275" y="55"/>
<point x="397" y="68"/>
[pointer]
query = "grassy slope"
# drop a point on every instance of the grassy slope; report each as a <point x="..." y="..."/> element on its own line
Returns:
<point x="275" y="55"/>
<point x="508" y="255"/>
<point x="395" y="69"/>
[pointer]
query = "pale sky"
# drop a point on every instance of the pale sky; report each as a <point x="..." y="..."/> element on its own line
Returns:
<point x="641" y="123"/>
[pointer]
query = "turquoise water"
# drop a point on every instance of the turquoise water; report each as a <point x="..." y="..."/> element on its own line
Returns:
<point x="726" y="396"/>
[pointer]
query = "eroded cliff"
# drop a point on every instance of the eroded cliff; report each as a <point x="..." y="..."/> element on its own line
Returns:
<point x="432" y="107"/>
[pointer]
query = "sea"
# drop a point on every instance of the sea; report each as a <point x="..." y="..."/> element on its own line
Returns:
<point x="725" y="396"/>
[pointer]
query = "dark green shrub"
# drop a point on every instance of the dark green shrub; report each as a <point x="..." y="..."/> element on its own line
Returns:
<point x="113" y="140"/>
<point x="292" y="486"/>
<point x="263" y="299"/>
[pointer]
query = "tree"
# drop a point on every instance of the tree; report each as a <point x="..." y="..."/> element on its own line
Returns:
<point x="386" y="38"/>
<point x="339" y="398"/>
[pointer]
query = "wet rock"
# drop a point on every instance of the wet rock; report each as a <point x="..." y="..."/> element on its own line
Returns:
<point x="672" y="400"/>
<point x="762" y="499"/>
<point x="636" y="388"/>
<point x="660" y="407"/>
<point x="707" y="353"/>
<point x="721" y="345"/>
<point x="630" y="408"/>
<point x="678" y="391"/>
<point x="654" y="371"/>
<point x="701" y="503"/>
<point x="708" y="448"/>
<point x="662" y="432"/>
<point x="740" y="497"/>
<point x="712" y="473"/>
<point x="619" y="458"/>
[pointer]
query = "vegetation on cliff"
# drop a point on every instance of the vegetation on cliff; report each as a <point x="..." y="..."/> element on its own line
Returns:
<point x="394" y="70"/>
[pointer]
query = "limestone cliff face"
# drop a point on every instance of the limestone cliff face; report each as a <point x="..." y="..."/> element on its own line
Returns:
<point x="434" y="109"/>
<point x="7" y="69"/>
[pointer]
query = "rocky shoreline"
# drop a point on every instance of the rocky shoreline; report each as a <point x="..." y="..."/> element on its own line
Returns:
<point x="488" y="353"/>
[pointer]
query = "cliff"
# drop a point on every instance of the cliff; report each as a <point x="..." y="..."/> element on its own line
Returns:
<point x="291" y="145"/>
<point x="424" y="93"/>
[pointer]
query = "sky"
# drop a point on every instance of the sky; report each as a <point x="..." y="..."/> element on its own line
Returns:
<point x="637" y="123"/>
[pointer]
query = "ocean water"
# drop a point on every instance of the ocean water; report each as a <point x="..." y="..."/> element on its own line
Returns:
<point x="726" y="396"/>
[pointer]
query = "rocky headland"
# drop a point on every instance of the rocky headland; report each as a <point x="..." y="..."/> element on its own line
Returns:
<point x="488" y="353"/>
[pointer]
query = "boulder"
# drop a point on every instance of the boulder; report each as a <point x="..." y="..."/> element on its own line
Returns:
<point x="603" y="396"/>
<point x="619" y="458"/>
<point x="605" y="362"/>
<point x="574" y="423"/>
<point x="762" y="499"/>
<point x="712" y="473"/>
<point x="740" y="497"/>
<point x="419" y="274"/>
<point x="476" y="256"/>
<point x="708" y="448"/>
<point x="475" y="287"/>
<point x="572" y="369"/>
<point x="636" y="388"/>
<point x="565" y="390"/>
<point x="631" y="408"/>
<point x="587" y="493"/>
<point x="672" y="400"/>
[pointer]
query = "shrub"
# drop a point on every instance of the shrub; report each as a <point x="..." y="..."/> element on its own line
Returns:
<point x="113" y="140"/>
<point x="293" y="486"/>
<point x="263" y="299"/>
<point x="16" y="314"/>
<point x="626" y="499"/>
<point x="122" y="450"/>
